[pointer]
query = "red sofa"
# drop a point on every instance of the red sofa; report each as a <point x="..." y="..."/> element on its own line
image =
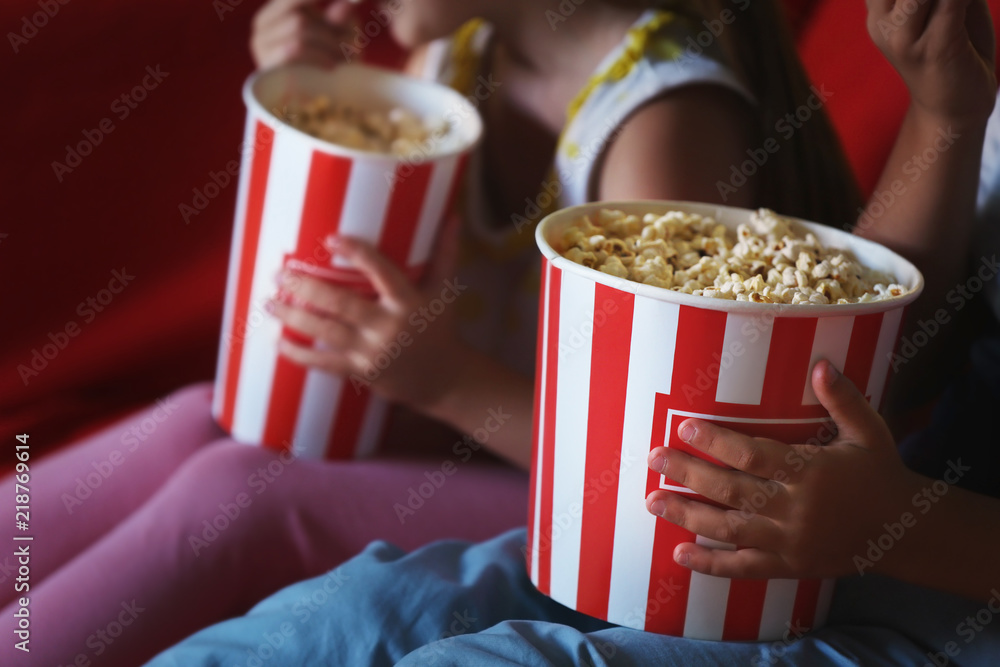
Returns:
<point x="120" y="115"/>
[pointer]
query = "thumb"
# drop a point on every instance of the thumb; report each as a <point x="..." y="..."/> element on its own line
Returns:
<point x="854" y="416"/>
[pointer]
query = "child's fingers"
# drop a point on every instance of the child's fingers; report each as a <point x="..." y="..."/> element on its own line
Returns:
<point x="739" y="564"/>
<point x="392" y="286"/>
<point x="340" y="302"/>
<point x="728" y="526"/>
<point x="946" y="23"/>
<point x="879" y="9"/>
<point x="330" y="330"/>
<point x="732" y="488"/>
<point x="855" y="418"/>
<point x="337" y="362"/>
<point x="760" y="457"/>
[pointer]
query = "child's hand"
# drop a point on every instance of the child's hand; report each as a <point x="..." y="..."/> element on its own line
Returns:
<point x="803" y="511"/>
<point x="302" y="31"/>
<point x="944" y="50"/>
<point x="401" y="344"/>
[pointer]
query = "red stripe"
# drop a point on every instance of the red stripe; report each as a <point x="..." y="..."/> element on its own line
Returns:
<point x="744" y="610"/>
<point x="549" y="436"/>
<point x="537" y="413"/>
<point x="788" y="365"/>
<point x="861" y="351"/>
<point x="806" y="599"/>
<point x="669" y="583"/>
<point x="605" y="423"/>
<point x="700" y="338"/>
<point x="263" y="141"/>
<point x="321" y="209"/>
<point x="350" y="413"/>
<point x="403" y="211"/>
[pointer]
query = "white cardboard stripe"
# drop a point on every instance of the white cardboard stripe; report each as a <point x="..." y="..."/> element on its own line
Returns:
<point x="883" y="352"/>
<point x="232" y="276"/>
<point x="833" y="337"/>
<point x="708" y="597"/>
<point x="576" y="301"/>
<point x="654" y="328"/>
<point x="287" y="178"/>
<point x="823" y="602"/>
<point x="366" y="202"/>
<point x="320" y="397"/>
<point x="542" y="444"/>
<point x="779" y="602"/>
<point x="430" y="215"/>
<point x="371" y="427"/>
<point x="744" y="359"/>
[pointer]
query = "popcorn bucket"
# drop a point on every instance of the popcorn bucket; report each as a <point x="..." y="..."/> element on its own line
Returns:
<point x="294" y="191"/>
<point x="619" y="366"/>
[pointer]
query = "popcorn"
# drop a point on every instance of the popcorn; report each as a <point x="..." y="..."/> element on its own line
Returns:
<point x="398" y="131"/>
<point x="763" y="262"/>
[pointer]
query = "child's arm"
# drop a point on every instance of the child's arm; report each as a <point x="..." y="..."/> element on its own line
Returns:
<point x="827" y="505"/>
<point x="924" y="204"/>
<point x="925" y="200"/>
<point x="404" y="346"/>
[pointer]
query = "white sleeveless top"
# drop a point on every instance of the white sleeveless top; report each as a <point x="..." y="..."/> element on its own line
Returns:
<point x="499" y="312"/>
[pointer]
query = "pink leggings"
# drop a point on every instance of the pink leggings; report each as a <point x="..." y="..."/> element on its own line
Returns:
<point x="159" y="526"/>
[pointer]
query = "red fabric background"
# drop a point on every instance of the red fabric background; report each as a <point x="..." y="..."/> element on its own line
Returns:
<point x="60" y="241"/>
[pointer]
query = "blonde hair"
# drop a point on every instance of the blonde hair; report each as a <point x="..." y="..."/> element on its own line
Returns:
<point x="808" y="176"/>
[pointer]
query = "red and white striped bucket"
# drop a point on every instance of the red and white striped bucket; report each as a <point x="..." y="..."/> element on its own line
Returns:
<point x="294" y="191"/>
<point x="619" y="365"/>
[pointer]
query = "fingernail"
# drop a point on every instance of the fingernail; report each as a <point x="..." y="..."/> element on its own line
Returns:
<point x="332" y="240"/>
<point x="279" y="277"/>
<point x="683" y="558"/>
<point x="269" y="306"/>
<point x="659" y="464"/>
<point x="658" y="507"/>
<point x="832" y="373"/>
<point x="686" y="433"/>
